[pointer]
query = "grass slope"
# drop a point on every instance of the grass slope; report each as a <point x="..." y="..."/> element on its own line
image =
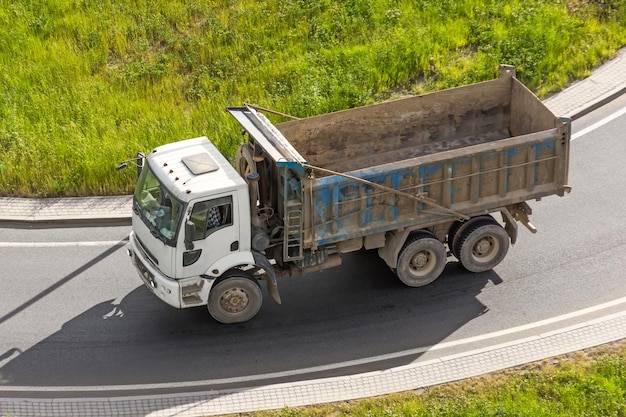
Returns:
<point x="87" y="83"/>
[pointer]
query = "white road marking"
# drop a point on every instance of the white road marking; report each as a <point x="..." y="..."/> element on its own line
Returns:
<point x="62" y="244"/>
<point x="598" y="124"/>
<point x="410" y="352"/>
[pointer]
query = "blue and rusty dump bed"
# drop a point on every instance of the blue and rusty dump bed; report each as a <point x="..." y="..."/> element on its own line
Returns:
<point x="425" y="160"/>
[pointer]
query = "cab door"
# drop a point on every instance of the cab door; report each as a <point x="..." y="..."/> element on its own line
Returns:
<point x="215" y="234"/>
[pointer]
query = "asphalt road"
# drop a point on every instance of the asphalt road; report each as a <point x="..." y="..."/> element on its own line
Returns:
<point x="74" y="313"/>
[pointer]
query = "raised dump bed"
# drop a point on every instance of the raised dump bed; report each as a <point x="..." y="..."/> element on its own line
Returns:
<point x="422" y="125"/>
<point x="460" y="152"/>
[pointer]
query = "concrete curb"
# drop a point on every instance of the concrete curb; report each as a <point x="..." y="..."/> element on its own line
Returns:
<point x="601" y="101"/>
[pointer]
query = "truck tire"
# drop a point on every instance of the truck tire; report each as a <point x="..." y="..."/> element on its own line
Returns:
<point x="457" y="229"/>
<point x="482" y="246"/>
<point x="235" y="298"/>
<point x="244" y="161"/>
<point x="452" y="233"/>
<point x="421" y="259"/>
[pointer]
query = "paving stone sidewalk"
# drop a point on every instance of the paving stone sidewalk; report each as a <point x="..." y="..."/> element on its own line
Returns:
<point x="93" y="210"/>
<point x="604" y="84"/>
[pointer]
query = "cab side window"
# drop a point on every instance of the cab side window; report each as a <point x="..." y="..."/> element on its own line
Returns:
<point x="211" y="215"/>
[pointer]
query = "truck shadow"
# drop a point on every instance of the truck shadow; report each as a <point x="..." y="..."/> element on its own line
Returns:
<point x="327" y="320"/>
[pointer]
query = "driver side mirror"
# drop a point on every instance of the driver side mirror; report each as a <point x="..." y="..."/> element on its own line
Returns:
<point x="190" y="231"/>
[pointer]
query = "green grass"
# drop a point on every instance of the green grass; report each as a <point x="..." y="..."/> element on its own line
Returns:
<point x="589" y="384"/>
<point x="87" y="83"/>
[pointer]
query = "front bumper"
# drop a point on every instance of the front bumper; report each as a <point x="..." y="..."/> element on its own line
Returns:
<point x="165" y="288"/>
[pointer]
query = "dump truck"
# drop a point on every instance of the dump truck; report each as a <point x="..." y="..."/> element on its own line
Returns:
<point x="418" y="180"/>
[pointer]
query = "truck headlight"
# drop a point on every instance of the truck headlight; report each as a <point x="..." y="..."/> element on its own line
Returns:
<point x="191" y="257"/>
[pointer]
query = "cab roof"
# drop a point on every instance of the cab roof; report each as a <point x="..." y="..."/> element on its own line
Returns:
<point x="193" y="168"/>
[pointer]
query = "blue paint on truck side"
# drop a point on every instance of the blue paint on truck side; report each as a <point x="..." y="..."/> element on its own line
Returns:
<point x="347" y="209"/>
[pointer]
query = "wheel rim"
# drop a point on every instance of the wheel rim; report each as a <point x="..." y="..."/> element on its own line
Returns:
<point x="486" y="249"/>
<point x="234" y="300"/>
<point x="422" y="263"/>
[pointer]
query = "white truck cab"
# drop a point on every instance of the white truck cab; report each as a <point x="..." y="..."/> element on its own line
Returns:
<point x="191" y="230"/>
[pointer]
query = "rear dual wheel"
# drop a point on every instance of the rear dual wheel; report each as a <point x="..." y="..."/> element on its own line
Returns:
<point x="481" y="245"/>
<point x="458" y="228"/>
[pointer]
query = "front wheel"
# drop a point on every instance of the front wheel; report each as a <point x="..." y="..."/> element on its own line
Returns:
<point x="422" y="259"/>
<point x="235" y="299"/>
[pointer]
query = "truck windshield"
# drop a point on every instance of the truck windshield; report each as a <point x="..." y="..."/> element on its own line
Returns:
<point x="158" y="209"/>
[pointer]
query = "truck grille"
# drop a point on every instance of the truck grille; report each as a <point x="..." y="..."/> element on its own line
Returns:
<point x="151" y="257"/>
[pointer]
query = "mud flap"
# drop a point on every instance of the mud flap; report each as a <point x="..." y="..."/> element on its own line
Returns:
<point x="272" y="285"/>
<point x="509" y="224"/>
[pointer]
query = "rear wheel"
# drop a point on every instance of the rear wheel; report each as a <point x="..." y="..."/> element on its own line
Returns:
<point x="421" y="260"/>
<point x="454" y="230"/>
<point x="235" y="299"/>
<point x="482" y="246"/>
<point x="459" y="227"/>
